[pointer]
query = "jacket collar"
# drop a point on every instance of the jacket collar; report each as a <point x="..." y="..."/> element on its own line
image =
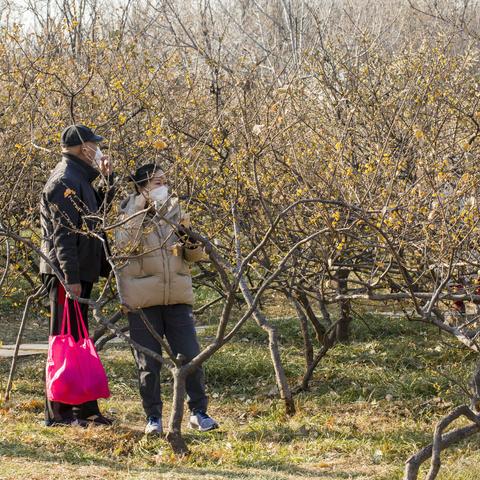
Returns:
<point x="84" y="169"/>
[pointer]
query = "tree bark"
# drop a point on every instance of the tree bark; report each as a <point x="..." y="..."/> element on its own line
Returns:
<point x="319" y="328"/>
<point x="280" y="376"/>
<point x="441" y="442"/>
<point x="343" y="326"/>
<point x="307" y="341"/>
<point x="174" y="435"/>
<point x="329" y="341"/>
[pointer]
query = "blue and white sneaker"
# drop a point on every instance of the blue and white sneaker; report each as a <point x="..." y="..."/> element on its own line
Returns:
<point x="199" y="420"/>
<point x="154" y="426"/>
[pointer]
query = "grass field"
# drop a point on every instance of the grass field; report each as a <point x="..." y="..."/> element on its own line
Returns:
<point x="373" y="402"/>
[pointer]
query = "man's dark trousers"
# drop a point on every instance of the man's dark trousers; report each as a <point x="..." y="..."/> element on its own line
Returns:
<point x="176" y="324"/>
<point x="56" y="412"/>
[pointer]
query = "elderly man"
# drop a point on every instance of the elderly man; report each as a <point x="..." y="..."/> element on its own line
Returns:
<point x="70" y="241"/>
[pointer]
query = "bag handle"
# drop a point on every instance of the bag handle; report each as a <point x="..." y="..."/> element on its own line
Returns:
<point x="80" y="321"/>
<point x="66" y="318"/>
<point x="66" y="322"/>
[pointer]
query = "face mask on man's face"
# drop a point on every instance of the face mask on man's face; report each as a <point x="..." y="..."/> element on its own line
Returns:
<point x="97" y="158"/>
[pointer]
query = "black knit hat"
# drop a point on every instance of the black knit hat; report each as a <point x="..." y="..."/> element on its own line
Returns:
<point x="77" y="135"/>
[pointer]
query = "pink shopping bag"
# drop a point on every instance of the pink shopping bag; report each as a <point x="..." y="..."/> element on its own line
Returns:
<point x="74" y="372"/>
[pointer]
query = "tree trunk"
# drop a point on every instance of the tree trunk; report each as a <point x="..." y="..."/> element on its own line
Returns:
<point x="319" y="328"/>
<point x="343" y="326"/>
<point x="307" y="341"/>
<point x="174" y="435"/>
<point x="441" y="442"/>
<point x="329" y="341"/>
<point x="280" y="376"/>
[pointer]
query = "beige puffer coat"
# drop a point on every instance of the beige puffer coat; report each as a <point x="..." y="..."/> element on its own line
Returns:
<point x="157" y="272"/>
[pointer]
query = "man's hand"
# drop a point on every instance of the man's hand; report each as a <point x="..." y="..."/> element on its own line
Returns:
<point x="105" y="166"/>
<point x="74" y="289"/>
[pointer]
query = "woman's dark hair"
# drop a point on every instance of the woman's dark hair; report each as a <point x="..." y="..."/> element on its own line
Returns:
<point x="143" y="174"/>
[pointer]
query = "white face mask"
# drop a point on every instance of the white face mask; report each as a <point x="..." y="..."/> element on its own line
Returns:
<point x="98" y="157"/>
<point x="159" y="194"/>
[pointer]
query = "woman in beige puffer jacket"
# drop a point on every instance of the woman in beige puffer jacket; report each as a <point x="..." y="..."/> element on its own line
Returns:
<point x="155" y="277"/>
<point x="157" y="272"/>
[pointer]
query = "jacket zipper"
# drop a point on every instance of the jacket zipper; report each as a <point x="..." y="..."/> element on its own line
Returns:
<point x="165" y="266"/>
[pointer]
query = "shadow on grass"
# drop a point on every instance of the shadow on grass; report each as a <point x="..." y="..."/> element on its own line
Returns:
<point x="285" y="435"/>
<point x="266" y="475"/>
<point x="267" y="464"/>
<point x="74" y="457"/>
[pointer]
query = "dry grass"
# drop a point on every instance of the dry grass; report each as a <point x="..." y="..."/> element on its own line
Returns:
<point x="345" y="428"/>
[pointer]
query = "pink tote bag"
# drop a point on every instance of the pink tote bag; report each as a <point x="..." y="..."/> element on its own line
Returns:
<point x="74" y="372"/>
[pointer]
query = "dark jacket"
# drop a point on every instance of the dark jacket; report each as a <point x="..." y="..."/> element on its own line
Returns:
<point x="68" y="198"/>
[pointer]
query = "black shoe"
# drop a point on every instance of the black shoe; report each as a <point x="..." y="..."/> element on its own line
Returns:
<point x="97" y="419"/>
<point x="69" y="422"/>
